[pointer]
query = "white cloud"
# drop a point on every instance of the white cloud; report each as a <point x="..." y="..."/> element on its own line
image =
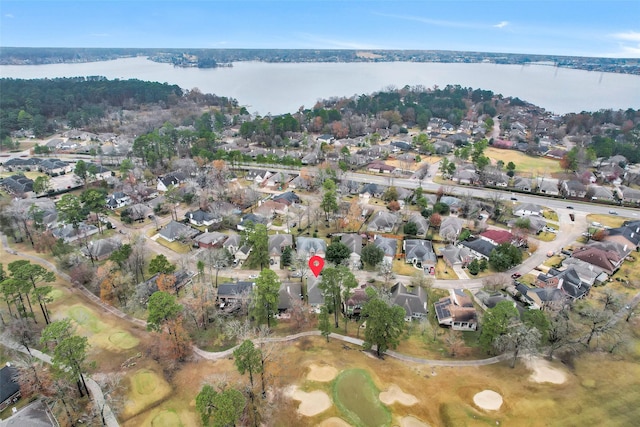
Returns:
<point x="9" y="15"/>
<point x="501" y="24"/>
<point x="631" y="36"/>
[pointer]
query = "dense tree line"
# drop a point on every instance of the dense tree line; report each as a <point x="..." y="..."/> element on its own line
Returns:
<point x="31" y="104"/>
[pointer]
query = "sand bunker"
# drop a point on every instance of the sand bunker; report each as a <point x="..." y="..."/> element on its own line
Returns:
<point x="544" y="372"/>
<point x="395" y="394"/>
<point x="488" y="400"/>
<point x="334" y="422"/>
<point x="321" y="373"/>
<point x="312" y="403"/>
<point x="412" y="422"/>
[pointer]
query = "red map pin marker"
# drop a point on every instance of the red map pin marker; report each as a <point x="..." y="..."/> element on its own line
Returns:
<point x="316" y="264"/>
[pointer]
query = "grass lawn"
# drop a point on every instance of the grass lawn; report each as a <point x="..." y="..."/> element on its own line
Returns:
<point x="175" y="246"/>
<point x="556" y="259"/>
<point x="524" y="163"/>
<point x="628" y="275"/>
<point x="608" y="220"/>
<point x="443" y="271"/>
<point x="29" y="174"/>
<point x="550" y="215"/>
<point x="404" y="269"/>
<point x="545" y="236"/>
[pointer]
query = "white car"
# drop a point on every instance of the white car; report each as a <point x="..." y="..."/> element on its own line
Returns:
<point x="253" y="276"/>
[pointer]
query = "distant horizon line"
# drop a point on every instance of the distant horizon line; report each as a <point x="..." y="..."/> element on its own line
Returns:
<point x="328" y="49"/>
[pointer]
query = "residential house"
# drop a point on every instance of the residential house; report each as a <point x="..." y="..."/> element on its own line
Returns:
<point x="372" y="190"/>
<point x="118" y="200"/>
<point x="352" y="307"/>
<point x="497" y="237"/>
<point x="450" y="228"/>
<point x="55" y="167"/>
<point x="234" y="293"/>
<point x="70" y="234"/>
<point x="608" y="261"/>
<point x="588" y="273"/>
<point x="542" y="298"/>
<point x="201" y="218"/>
<point x="177" y="231"/>
<point x="289" y="198"/>
<point x="479" y="248"/>
<point x="496" y="178"/>
<point x="466" y="176"/>
<point x="348" y="186"/>
<point x="171" y="179"/>
<point x="315" y="297"/>
<point x="310" y="158"/>
<point x="412" y="300"/>
<point x="18" y="185"/>
<point x="270" y="208"/>
<point x="421" y="223"/>
<point x="277" y="181"/>
<point x="253" y="219"/>
<point x="101" y="249"/>
<point x="420" y="253"/>
<point x="574" y="188"/>
<point x="310" y="246"/>
<point x="621" y="249"/>
<point x="400" y="145"/>
<point x="536" y="223"/>
<point x="388" y="246"/>
<point x="522" y="184"/>
<point x="383" y="222"/>
<point x="625" y="236"/>
<point x="547" y="186"/>
<point x="326" y="138"/>
<point x="139" y="211"/>
<point x="98" y="171"/>
<point x="528" y="209"/>
<point x="457" y="311"/>
<point x="354" y="242"/>
<point x="211" y="240"/>
<point x="454" y="203"/>
<point x="287" y="294"/>
<point x="380" y="167"/>
<point x="9" y="386"/>
<point x="568" y="281"/>
<point x="597" y="192"/>
<point x="456" y="256"/>
<point x="629" y="195"/>
<point x="35" y="414"/>
<point x="232" y="243"/>
<point x="277" y="245"/>
<point x="300" y="182"/>
<point x="19" y="164"/>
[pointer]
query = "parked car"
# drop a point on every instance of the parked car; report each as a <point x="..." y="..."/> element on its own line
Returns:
<point x="514" y="198"/>
<point x="613" y="213"/>
<point x="569" y="207"/>
<point x="516" y="275"/>
<point x="253" y="276"/>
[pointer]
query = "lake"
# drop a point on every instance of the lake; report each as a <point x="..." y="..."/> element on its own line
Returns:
<point x="279" y="88"/>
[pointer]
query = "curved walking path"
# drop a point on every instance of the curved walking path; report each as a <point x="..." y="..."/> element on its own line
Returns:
<point x="94" y="388"/>
<point x="356" y="341"/>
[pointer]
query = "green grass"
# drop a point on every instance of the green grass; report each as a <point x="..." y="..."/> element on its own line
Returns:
<point x="145" y="388"/>
<point x="85" y="318"/>
<point x="356" y="396"/>
<point x="550" y="215"/>
<point x="546" y="236"/>
<point x="166" y="418"/>
<point x="524" y="163"/>
<point x="175" y="246"/>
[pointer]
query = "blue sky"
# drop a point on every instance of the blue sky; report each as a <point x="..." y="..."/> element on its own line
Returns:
<point x="609" y="28"/>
